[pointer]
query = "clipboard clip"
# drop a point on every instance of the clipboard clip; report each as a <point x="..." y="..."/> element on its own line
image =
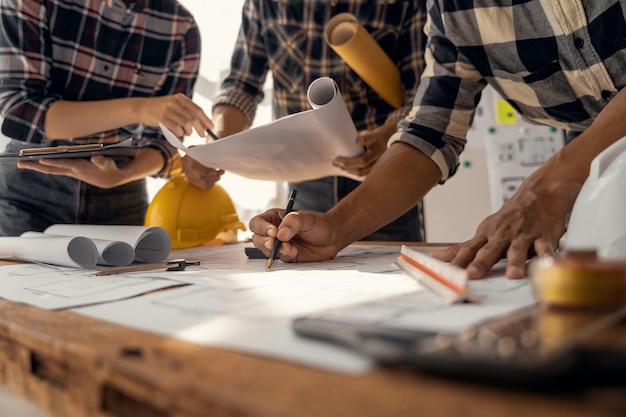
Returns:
<point x="61" y="149"/>
<point x="173" y="265"/>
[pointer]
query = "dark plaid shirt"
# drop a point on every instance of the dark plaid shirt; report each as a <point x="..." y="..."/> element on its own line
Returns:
<point x="286" y="37"/>
<point x="79" y="51"/>
<point x="558" y="62"/>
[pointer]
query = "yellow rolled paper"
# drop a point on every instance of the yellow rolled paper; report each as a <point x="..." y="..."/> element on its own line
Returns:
<point x="351" y="41"/>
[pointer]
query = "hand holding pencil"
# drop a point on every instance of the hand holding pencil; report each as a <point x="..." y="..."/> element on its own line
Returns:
<point x="277" y="243"/>
<point x="307" y="236"/>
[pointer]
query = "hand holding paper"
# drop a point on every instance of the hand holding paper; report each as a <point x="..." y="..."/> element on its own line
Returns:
<point x="298" y="147"/>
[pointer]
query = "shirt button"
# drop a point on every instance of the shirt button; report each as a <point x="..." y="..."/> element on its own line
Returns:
<point x="579" y="43"/>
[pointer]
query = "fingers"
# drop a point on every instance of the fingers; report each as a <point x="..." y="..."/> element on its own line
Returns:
<point x="544" y="248"/>
<point x="181" y="115"/>
<point x="199" y="175"/>
<point x="98" y="170"/>
<point x="362" y="164"/>
<point x="478" y="256"/>
<point x="269" y="226"/>
<point x="516" y="257"/>
<point x="61" y="166"/>
<point x="264" y="228"/>
<point x="446" y="255"/>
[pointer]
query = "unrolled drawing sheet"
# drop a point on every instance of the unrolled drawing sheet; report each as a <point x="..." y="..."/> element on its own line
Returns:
<point x="239" y="304"/>
<point x="294" y="148"/>
<point x="150" y="243"/>
<point x="51" y="287"/>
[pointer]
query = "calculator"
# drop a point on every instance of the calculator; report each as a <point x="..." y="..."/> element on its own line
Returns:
<point x="534" y="346"/>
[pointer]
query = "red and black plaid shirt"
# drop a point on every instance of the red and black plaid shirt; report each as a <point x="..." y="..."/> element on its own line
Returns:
<point x="103" y="49"/>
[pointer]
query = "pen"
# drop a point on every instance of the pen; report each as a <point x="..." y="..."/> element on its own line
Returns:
<point x="272" y="258"/>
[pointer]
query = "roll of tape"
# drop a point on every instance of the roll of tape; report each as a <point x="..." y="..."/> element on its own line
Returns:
<point x="579" y="280"/>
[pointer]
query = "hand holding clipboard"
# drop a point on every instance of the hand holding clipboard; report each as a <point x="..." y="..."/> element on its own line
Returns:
<point x="121" y="149"/>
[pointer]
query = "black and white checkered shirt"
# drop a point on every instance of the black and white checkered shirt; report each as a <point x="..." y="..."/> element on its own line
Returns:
<point x="557" y="62"/>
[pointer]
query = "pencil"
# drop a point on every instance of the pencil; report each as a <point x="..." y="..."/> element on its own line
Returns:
<point x="277" y="243"/>
<point x="213" y="135"/>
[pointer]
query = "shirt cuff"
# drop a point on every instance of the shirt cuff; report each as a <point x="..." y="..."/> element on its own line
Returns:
<point x="245" y="103"/>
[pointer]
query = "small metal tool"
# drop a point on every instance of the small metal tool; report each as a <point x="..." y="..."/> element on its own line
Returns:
<point x="173" y="265"/>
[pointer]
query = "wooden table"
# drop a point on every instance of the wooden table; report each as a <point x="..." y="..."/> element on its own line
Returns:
<point x="72" y="365"/>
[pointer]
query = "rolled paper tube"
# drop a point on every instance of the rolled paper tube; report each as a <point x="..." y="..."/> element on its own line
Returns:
<point x="351" y="41"/>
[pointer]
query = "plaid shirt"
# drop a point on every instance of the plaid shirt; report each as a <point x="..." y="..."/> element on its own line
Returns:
<point x="79" y="51"/>
<point x="286" y="37"/>
<point x="557" y="62"/>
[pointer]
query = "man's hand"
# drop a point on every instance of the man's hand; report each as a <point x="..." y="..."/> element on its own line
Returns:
<point x="306" y="236"/>
<point x="199" y="175"/>
<point x="529" y="224"/>
<point x="374" y="144"/>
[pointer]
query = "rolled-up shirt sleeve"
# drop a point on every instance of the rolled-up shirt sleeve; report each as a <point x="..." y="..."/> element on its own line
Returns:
<point x="446" y="99"/>
<point x="243" y="87"/>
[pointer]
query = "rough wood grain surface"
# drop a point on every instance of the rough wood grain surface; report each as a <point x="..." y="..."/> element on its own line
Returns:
<point x="75" y="366"/>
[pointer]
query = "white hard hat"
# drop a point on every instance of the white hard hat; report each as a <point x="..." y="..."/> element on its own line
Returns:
<point x="598" y="218"/>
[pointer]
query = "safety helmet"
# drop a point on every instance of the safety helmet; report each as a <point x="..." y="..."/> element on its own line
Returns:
<point x="192" y="216"/>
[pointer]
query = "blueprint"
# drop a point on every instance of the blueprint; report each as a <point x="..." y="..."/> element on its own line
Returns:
<point x="238" y="303"/>
<point x="51" y="287"/>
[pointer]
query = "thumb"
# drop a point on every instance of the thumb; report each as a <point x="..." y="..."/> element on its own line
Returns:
<point x="101" y="161"/>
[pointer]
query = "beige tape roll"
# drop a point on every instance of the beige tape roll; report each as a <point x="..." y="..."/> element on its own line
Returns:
<point x="581" y="282"/>
<point x="356" y="46"/>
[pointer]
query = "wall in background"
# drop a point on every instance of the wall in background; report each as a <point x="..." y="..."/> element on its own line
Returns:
<point x="219" y="23"/>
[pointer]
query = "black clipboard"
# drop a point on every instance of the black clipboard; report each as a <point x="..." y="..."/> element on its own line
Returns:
<point x="122" y="149"/>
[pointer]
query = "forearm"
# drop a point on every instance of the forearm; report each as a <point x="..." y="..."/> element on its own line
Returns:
<point x="389" y="128"/>
<point x="606" y="129"/>
<point x="73" y="119"/>
<point x="564" y="174"/>
<point x="401" y="177"/>
<point x="147" y="162"/>
<point x="229" y="120"/>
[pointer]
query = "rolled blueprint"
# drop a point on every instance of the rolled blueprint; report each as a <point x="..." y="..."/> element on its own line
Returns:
<point x="298" y="147"/>
<point x="111" y="253"/>
<point x="150" y="244"/>
<point x="351" y="41"/>
<point x="73" y="251"/>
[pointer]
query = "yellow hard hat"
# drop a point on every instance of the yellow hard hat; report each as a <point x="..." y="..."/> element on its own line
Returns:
<point x="192" y="216"/>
